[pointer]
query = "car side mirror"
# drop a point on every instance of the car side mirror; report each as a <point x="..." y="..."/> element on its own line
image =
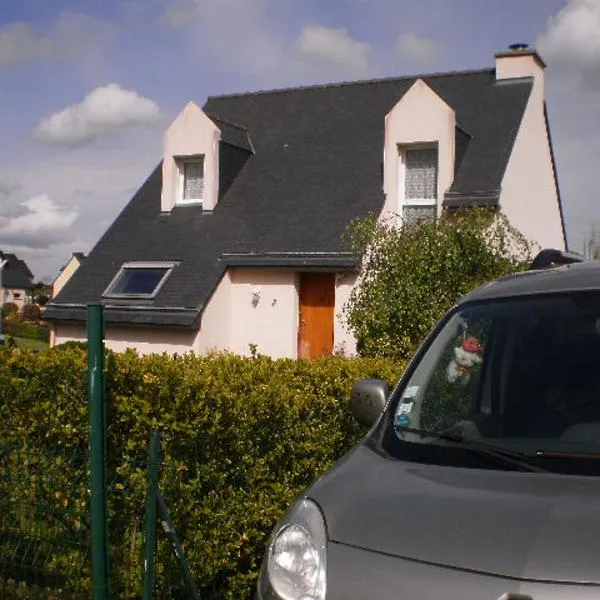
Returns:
<point x="368" y="399"/>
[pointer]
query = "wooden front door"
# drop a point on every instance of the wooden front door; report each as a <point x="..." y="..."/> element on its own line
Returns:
<point x="315" y="324"/>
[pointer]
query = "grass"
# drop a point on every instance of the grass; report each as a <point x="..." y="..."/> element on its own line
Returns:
<point x="31" y="344"/>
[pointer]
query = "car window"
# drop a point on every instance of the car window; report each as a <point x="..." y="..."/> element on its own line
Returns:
<point x="521" y="374"/>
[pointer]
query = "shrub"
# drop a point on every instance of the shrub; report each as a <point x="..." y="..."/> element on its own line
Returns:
<point x="411" y="276"/>
<point x="30" y="331"/>
<point x="242" y="437"/>
<point x="31" y="313"/>
<point x="10" y="310"/>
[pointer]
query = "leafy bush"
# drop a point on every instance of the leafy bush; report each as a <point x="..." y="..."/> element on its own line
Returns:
<point x="242" y="437"/>
<point x="30" y="331"/>
<point x="30" y="312"/>
<point x="9" y="310"/>
<point x="412" y="275"/>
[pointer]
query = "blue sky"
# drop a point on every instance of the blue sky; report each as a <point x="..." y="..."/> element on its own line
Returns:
<point x="87" y="88"/>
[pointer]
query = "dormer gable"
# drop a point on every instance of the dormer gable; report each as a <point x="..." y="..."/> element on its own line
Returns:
<point x="191" y="161"/>
<point x="419" y="154"/>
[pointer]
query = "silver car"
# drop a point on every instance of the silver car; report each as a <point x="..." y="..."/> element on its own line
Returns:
<point x="479" y="478"/>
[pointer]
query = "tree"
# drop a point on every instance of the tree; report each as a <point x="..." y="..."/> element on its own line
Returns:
<point x="30" y="312"/>
<point x="10" y="310"/>
<point x="410" y="276"/>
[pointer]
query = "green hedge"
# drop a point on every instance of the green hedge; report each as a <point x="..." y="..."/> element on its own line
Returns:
<point x="30" y="331"/>
<point x="243" y="436"/>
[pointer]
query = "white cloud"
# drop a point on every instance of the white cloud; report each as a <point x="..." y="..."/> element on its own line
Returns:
<point x="95" y="182"/>
<point x="67" y="37"/>
<point x="7" y="186"/>
<point x="42" y="225"/>
<point x="572" y="37"/>
<point x="421" y="50"/>
<point x="325" y="49"/>
<point x="106" y="109"/>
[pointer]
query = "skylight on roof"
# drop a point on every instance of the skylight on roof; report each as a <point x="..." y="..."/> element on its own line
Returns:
<point x="139" y="280"/>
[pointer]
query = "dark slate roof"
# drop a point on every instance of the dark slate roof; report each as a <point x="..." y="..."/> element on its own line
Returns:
<point x="233" y="134"/>
<point x="16" y="273"/>
<point x="297" y="166"/>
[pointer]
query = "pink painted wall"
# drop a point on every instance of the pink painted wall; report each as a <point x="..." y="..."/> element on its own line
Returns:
<point x="145" y="339"/>
<point x="344" y="342"/>
<point x="265" y="312"/>
<point x="419" y="117"/>
<point x="529" y="196"/>
<point x="192" y="133"/>
<point x="215" y="327"/>
<point x="249" y="306"/>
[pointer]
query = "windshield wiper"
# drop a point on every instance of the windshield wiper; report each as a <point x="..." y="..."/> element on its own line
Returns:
<point x="507" y="456"/>
<point x="569" y="455"/>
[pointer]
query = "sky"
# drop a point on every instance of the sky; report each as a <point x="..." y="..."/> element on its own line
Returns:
<point x="88" y="88"/>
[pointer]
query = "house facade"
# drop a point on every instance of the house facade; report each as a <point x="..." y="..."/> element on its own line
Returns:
<point x="16" y="281"/>
<point x="66" y="272"/>
<point x="236" y="240"/>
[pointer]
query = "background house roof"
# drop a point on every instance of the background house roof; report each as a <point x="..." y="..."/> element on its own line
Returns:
<point x="16" y="273"/>
<point x="317" y="164"/>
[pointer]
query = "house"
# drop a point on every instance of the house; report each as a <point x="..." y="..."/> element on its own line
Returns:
<point x="235" y="240"/>
<point x="66" y="272"/>
<point x="16" y="280"/>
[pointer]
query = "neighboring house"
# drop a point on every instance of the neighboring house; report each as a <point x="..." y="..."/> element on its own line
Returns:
<point x="66" y="272"/>
<point x="235" y="240"/>
<point x="17" y="281"/>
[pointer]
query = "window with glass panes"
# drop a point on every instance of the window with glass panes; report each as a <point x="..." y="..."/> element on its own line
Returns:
<point x="420" y="184"/>
<point x="192" y="172"/>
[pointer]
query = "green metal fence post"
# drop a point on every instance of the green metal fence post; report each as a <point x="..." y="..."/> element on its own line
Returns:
<point x="99" y="542"/>
<point x="151" y="515"/>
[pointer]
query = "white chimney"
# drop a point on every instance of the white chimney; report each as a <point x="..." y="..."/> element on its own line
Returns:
<point x="521" y="61"/>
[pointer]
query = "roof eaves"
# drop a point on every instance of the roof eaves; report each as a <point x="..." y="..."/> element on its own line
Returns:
<point x="555" y="173"/>
<point x="455" y="199"/>
<point x="126" y="315"/>
<point x="315" y="260"/>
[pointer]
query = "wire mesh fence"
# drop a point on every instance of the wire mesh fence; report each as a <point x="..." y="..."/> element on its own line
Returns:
<point x="45" y="528"/>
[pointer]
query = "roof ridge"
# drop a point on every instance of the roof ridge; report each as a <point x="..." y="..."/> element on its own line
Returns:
<point x="317" y="86"/>
<point x="212" y="115"/>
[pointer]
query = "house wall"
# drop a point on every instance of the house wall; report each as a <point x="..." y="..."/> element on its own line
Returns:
<point x="419" y="117"/>
<point x="344" y="341"/>
<point x="215" y="327"/>
<point x="249" y="307"/>
<point x="529" y="196"/>
<point x="65" y="275"/>
<point x="15" y="295"/>
<point x="145" y="340"/>
<point x="191" y="134"/>
<point x="265" y="312"/>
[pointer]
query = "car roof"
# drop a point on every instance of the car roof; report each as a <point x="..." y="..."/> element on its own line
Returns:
<point x="576" y="277"/>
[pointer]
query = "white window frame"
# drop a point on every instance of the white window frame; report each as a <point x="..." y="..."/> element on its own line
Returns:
<point x="408" y="202"/>
<point x="140" y="265"/>
<point x="181" y="161"/>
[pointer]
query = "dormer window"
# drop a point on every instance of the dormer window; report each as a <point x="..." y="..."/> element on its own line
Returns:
<point x="191" y="174"/>
<point x="139" y="280"/>
<point x="419" y="184"/>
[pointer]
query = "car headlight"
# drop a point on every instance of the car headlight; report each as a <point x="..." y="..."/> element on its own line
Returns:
<point x="295" y="562"/>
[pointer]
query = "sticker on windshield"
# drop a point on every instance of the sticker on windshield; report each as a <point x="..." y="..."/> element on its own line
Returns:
<point x="402" y="421"/>
<point x="405" y="408"/>
<point x="411" y="392"/>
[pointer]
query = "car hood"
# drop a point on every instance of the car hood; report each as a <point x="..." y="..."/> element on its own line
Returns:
<point x="540" y="527"/>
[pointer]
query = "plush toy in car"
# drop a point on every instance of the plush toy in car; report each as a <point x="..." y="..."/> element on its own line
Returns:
<point x="466" y="356"/>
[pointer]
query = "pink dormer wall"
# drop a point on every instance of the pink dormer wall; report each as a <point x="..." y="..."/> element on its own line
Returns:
<point x="191" y="134"/>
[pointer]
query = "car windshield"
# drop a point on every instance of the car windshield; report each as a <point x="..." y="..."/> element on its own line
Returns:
<point x="520" y="375"/>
